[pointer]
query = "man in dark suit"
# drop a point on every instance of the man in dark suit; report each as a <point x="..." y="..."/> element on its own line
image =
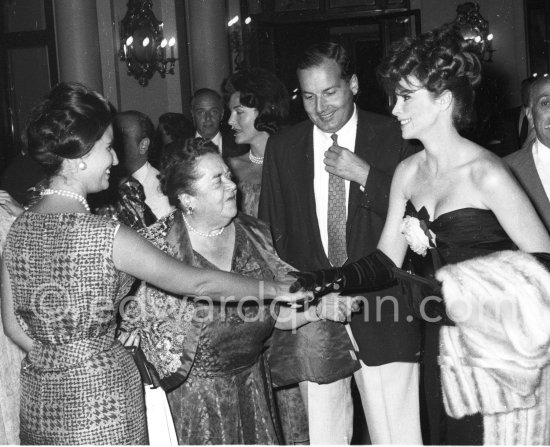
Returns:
<point x="138" y="201"/>
<point x="512" y="128"/>
<point x="207" y="112"/>
<point x="306" y="168"/>
<point x="531" y="165"/>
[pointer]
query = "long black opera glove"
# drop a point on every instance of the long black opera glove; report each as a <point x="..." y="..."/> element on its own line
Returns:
<point x="372" y="272"/>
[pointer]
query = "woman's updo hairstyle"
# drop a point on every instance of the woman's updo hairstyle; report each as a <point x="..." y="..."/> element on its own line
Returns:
<point x="260" y="89"/>
<point x="66" y="124"/>
<point x="441" y="60"/>
<point x="178" y="172"/>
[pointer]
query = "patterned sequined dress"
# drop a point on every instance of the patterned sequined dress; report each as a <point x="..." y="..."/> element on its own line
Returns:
<point x="292" y="410"/>
<point x="249" y="197"/>
<point x="78" y="384"/>
<point x="228" y="385"/>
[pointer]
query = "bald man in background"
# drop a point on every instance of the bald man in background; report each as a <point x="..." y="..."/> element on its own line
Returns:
<point x="531" y="164"/>
<point x="207" y="111"/>
<point x="139" y="200"/>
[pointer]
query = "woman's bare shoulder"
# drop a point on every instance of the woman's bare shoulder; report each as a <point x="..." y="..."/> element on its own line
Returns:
<point x="488" y="170"/>
<point x="409" y="166"/>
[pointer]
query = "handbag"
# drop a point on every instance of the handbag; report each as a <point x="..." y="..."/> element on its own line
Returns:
<point x="160" y="424"/>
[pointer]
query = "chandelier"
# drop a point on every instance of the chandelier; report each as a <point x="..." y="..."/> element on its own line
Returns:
<point x="472" y="26"/>
<point x="142" y="43"/>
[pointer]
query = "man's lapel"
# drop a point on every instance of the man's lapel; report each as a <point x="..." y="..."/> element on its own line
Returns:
<point x="527" y="171"/>
<point x="363" y="149"/>
<point x="310" y="210"/>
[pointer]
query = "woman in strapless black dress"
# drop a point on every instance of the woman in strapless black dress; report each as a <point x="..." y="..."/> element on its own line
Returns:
<point x="451" y="202"/>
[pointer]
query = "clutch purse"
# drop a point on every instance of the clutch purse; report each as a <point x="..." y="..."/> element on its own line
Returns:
<point x="160" y="425"/>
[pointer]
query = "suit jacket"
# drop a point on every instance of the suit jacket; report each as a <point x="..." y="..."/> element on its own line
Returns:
<point x="128" y="207"/>
<point x="523" y="166"/>
<point x="506" y="138"/>
<point x="320" y="351"/>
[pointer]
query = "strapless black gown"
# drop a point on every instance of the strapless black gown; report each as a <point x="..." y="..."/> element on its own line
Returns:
<point x="460" y="235"/>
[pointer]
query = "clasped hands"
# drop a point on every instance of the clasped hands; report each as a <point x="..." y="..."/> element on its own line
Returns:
<point x="324" y="284"/>
<point x="336" y="307"/>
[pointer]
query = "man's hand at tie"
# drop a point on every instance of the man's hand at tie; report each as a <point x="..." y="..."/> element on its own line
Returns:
<point x="345" y="164"/>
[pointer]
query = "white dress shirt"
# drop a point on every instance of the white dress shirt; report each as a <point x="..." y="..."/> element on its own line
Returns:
<point x="217" y="140"/>
<point x="541" y="154"/>
<point x="321" y="142"/>
<point x="147" y="175"/>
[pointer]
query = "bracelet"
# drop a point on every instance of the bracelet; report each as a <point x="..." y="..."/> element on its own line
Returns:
<point x="317" y="312"/>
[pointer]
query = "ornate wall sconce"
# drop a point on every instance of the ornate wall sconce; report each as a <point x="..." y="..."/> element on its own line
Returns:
<point x="239" y="35"/>
<point x="472" y="26"/>
<point x="142" y="43"/>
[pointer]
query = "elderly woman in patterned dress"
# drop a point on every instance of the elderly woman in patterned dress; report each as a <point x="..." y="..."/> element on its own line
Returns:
<point x="210" y="353"/>
<point x="63" y="274"/>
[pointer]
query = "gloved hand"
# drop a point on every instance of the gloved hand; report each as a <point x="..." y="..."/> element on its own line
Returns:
<point x="372" y="272"/>
<point x="320" y="282"/>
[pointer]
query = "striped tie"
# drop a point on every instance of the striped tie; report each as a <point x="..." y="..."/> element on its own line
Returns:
<point x="336" y="218"/>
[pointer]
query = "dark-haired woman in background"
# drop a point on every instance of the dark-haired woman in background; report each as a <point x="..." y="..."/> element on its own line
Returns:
<point x="449" y="203"/>
<point x="64" y="272"/>
<point x="258" y="102"/>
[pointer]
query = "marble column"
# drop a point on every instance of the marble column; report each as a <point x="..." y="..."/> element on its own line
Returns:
<point x="76" y="28"/>
<point x="208" y="43"/>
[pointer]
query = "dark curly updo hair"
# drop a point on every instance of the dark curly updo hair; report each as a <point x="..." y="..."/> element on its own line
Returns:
<point x="178" y="172"/>
<point x="66" y="124"/>
<point x="261" y="90"/>
<point x="441" y="60"/>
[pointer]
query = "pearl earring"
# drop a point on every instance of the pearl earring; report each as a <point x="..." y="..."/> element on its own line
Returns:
<point x="82" y="166"/>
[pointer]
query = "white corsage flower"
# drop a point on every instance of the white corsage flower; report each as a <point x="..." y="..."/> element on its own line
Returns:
<point x="417" y="234"/>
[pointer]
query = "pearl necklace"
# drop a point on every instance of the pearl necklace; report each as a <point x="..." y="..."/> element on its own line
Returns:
<point x="255" y="160"/>
<point x="214" y="233"/>
<point x="68" y="194"/>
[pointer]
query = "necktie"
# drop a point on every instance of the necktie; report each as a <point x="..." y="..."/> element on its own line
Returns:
<point x="336" y="218"/>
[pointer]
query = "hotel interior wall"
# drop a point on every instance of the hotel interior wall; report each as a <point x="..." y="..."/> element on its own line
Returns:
<point x="194" y="70"/>
<point x="506" y="22"/>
